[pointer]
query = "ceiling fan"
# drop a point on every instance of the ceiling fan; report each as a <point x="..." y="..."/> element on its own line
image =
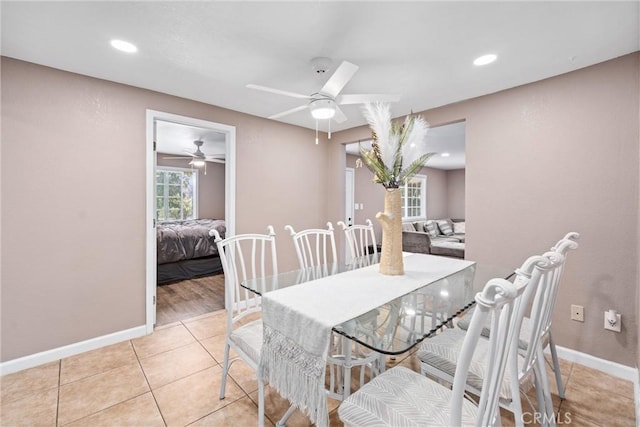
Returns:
<point x="199" y="159"/>
<point x="324" y="104"/>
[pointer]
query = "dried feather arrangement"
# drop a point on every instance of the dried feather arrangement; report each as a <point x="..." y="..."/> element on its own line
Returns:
<point x="394" y="145"/>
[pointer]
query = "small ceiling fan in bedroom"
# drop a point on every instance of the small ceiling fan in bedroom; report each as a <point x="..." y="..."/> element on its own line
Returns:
<point x="199" y="159"/>
<point x="324" y="104"/>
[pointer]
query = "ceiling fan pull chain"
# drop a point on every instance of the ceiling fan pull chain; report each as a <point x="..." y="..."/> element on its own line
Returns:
<point x="329" y="128"/>
<point x="316" y="131"/>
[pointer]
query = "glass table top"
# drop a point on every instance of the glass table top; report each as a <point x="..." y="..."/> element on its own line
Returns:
<point x="398" y="325"/>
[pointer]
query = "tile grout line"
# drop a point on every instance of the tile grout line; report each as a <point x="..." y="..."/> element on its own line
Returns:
<point x="148" y="384"/>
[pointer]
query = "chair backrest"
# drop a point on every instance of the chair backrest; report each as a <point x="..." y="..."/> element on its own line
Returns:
<point x="558" y="255"/>
<point x="497" y="303"/>
<point x="541" y="271"/>
<point x="314" y="246"/>
<point x="359" y="238"/>
<point x="245" y="257"/>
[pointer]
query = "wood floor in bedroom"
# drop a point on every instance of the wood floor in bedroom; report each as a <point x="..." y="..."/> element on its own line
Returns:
<point x="189" y="298"/>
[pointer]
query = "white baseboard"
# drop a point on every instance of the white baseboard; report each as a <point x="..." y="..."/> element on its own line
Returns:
<point x="611" y="368"/>
<point x="43" y="357"/>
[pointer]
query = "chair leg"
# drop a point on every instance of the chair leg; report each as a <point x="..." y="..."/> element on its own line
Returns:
<point x="516" y="400"/>
<point x="556" y="366"/>
<point x="260" y="403"/>
<point x="546" y="391"/>
<point x="285" y="417"/>
<point x="225" y="370"/>
<point x="346" y="391"/>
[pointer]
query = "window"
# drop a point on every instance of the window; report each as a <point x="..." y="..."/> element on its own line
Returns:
<point x="414" y="198"/>
<point x="176" y="194"/>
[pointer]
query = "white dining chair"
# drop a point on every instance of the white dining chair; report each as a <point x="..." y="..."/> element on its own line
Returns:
<point x="314" y="246"/>
<point x="316" y="251"/>
<point x="564" y="245"/>
<point x="525" y="370"/>
<point x="360" y="238"/>
<point x="401" y="397"/>
<point x="244" y="257"/>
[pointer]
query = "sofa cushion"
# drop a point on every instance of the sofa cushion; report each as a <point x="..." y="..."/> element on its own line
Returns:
<point x="458" y="227"/>
<point x="431" y="227"/>
<point x="459" y="237"/>
<point x="407" y="226"/>
<point x="452" y="249"/>
<point x="445" y="226"/>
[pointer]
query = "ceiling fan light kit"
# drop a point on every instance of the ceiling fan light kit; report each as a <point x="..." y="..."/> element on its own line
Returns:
<point x="322" y="108"/>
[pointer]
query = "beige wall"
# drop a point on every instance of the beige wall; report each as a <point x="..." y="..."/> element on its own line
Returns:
<point x="555" y="156"/>
<point x="210" y="186"/>
<point x="542" y="159"/>
<point x="456" y="193"/>
<point x="73" y="199"/>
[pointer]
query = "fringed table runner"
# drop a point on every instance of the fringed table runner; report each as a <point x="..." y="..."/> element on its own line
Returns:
<point x="297" y="323"/>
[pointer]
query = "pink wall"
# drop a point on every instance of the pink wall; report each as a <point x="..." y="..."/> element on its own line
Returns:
<point x="542" y="159"/>
<point x="210" y="186"/>
<point x="456" y="193"/>
<point x="555" y="156"/>
<point x="73" y="218"/>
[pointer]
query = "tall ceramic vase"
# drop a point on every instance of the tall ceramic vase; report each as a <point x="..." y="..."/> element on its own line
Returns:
<point x="391" y="220"/>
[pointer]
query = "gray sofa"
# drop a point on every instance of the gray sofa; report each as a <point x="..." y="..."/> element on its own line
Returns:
<point x="439" y="237"/>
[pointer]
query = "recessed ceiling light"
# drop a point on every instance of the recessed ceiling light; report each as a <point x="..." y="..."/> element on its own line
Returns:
<point x="485" y="59"/>
<point x="445" y="154"/>
<point x="124" y="46"/>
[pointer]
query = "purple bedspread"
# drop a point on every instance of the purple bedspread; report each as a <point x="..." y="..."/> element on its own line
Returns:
<point x="180" y="240"/>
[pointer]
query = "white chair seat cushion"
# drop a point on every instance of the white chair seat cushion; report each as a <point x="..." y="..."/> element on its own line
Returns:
<point x="248" y="338"/>
<point x="443" y="351"/>
<point x="400" y="397"/>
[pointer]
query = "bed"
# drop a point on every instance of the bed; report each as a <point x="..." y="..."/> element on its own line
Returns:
<point x="185" y="250"/>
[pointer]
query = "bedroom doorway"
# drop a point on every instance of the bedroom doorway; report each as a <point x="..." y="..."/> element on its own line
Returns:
<point x="166" y="131"/>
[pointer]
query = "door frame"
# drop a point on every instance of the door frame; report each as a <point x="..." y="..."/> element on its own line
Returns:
<point x="349" y="200"/>
<point x="229" y="195"/>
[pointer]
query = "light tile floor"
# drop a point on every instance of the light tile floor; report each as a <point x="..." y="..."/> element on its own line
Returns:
<point x="172" y="378"/>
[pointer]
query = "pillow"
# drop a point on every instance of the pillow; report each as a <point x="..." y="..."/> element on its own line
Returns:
<point x="458" y="227"/>
<point x="445" y="226"/>
<point x="431" y="227"/>
<point x="419" y="225"/>
<point x="407" y="226"/>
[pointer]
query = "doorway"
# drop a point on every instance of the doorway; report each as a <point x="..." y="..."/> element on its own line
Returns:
<point x="229" y="136"/>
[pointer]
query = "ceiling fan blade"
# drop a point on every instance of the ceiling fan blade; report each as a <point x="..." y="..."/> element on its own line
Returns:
<point x="291" y="111"/>
<point x="339" y="117"/>
<point x="177" y="158"/>
<point x="365" y="98"/>
<point x="339" y="79"/>
<point x="278" y="91"/>
<point x="216" y="160"/>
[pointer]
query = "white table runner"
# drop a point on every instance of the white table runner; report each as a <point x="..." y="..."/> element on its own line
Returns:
<point x="297" y="323"/>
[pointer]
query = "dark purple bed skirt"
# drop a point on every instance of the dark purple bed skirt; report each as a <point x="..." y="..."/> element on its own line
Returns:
<point x="189" y="269"/>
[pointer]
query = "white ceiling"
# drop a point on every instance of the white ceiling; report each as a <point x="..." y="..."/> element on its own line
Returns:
<point x="175" y="138"/>
<point x="209" y="51"/>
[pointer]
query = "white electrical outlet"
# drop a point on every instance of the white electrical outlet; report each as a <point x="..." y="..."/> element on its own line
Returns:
<point x="612" y="321"/>
<point x="577" y="313"/>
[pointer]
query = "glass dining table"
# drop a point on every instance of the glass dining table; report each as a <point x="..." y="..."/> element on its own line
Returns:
<point x="396" y="326"/>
